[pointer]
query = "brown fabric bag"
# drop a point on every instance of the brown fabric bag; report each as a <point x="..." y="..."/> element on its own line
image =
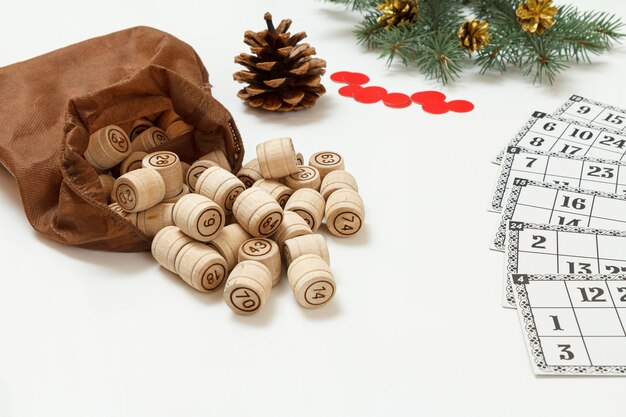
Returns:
<point x="51" y="103"/>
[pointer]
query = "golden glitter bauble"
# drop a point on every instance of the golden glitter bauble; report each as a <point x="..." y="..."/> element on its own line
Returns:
<point x="535" y="16"/>
<point x="397" y="12"/>
<point x="473" y="35"/>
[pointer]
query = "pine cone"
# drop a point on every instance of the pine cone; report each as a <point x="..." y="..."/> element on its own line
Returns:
<point x="397" y="12"/>
<point x="535" y="16"/>
<point x="283" y="75"/>
<point x="473" y="35"/>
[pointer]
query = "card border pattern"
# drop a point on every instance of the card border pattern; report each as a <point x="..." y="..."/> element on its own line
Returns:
<point x="513" y="242"/>
<point x="533" y="338"/>
<point x="507" y="212"/>
<point x="541" y="115"/>
<point x="498" y="194"/>
<point x="580" y="99"/>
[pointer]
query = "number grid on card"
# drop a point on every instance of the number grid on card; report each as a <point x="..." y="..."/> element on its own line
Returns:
<point x="552" y="249"/>
<point x="593" y="113"/>
<point x="580" y="172"/>
<point x="557" y="134"/>
<point x="538" y="202"/>
<point x="573" y="324"/>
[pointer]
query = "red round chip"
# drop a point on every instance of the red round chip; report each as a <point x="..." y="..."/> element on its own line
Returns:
<point x="340" y="77"/>
<point x="397" y="100"/>
<point x="357" y="78"/>
<point x="349" y="90"/>
<point x="436" y="107"/>
<point x="369" y="95"/>
<point x="422" y="97"/>
<point x="460" y="106"/>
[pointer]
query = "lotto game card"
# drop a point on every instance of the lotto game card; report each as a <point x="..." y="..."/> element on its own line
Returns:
<point x="551" y="249"/>
<point x="555" y="134"/>
<point x="575" y="171"/>
<point x="594" y="113"/>
<point x="573" y="324"/>
<point x="538" y="202"/>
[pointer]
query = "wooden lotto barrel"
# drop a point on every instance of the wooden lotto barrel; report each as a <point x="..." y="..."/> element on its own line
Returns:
<point x="220" y="186"/>
<point x="292" y="226"/>
<point x="167" y="164"/>
<point x="154" y="219"/>
<point x="313" y="244"/>
<point x="199" y="217"/>
<point x="345" y="213"/>
<point x="201" y="266"/>
<point x="107" y="147"/>
<point x="308" y="204"/>
<point x="149" y="139"/>
<point x="248" y="287"/>
<point x="139" y="190"/>
<point x="250" y="173"/>
<point x="257" y="212"/>
<point x="265" y="251"/>
<point x="311" y="281"/>
<point x="337" y="180"/>
<point x="228" y="243"/>
<point x="166" y="246"/>
<point x="277" y="158"/>
<point x="327" y="161"/>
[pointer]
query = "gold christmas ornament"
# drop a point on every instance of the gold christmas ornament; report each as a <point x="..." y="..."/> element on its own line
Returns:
<point x="397" y="12"/>
<point x="284" y="75"/>
<point x="473" y="35"/>
<point x="535" y="16"/>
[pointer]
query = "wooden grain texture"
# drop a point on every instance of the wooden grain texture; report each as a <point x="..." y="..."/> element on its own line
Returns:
<point x="327" y="161"/>
<point x="184" y="166"/>
<point x="228" y="243"/>
<point x="149" y="139"/>
<point x="306" y="177"/>
<point x="345" y="213"/>
<point x="311" y="281"/>
<point x="199" y="217"/>
<point x="166" y="118"/>
<point x="155" y="218"/>
<point x="107" y="147"/>
<point x="280" y="192"/>
<point x="337" y="180"/>
<point x="167" y="164"/>
<point x="195" y="170"/>
<point x="139" y="126"/>
<point x="292" y="226"/>
<point x="313" y="244"/>
<point x="183" y="192"/>
<point x="248" y="287"/>
<point x="178" y="129"/>
<point x="167" y="244"/>
<point x="139" y="190"/>
<point x="126" y="215"/>
<point x="107" y="182"/>
<point x="277" y="158"/>
<point x="219" y="158"/>
<point x="132" y="162"/>
<point x="265" y="251"/>
<point x="250" y="173"/>
<point x="201" y="266"/>
<point x="220" y="186"/>
<point x="308" y="204"/>
<point x="257" y="212"/>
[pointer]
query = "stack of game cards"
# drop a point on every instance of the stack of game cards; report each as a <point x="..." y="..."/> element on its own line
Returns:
<point x="562" y="196"/>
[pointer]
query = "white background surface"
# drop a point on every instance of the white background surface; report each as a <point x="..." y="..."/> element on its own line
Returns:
<point x="417" y="327"/>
